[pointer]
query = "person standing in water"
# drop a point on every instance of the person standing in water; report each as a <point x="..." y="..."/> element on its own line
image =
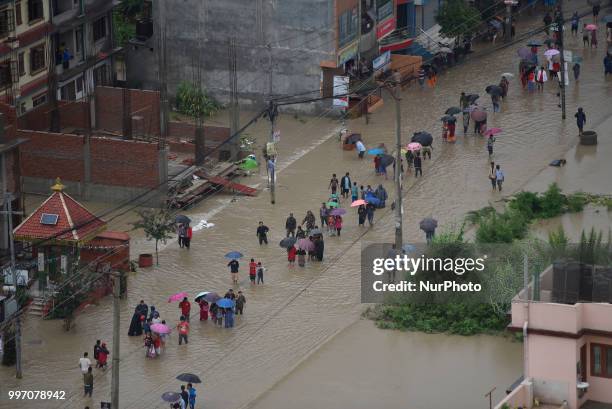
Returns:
<point x="580" y="120"/>
<point x="492" y="177"/>
<point x="262" y="233"/>
<point x="499" y="177"/>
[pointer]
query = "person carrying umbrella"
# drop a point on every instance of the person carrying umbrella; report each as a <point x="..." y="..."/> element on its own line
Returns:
<point x="234" y="266"/>
<point x="203" y="309"/>
<point x="309" y="220"/>
<point x="262" y="233"/>
<point x="381" y="194"/>
<point x="361" y="214"/>
<point x="182" y="233"/>
<point x="504" y="84"/>
<point x="290" y="225"/>
<point x="580" y="120"/>
<point x="418" y="165"/>
<point x="464" y="103"/>
<point x="428" y="225"/>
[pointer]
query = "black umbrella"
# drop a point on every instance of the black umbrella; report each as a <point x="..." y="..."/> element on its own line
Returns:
<point x="448" y="118"/>
<point x="315" y="232"/>
<point x="534" y="44"/>
<point x="181" y="218"/>
<point x="494" y="90"/>
<point x="472" y="97"/>
<point x="453" y="111"/>
<point x="428" y="224"/>
<point x="189" y="378"/>
<point x="353" y="138"/>
<point x="171" y="397"/>
<point x="287" y="242"/>
<point x="212" y="298"/>
<point x="424" y="138"/>
<point x="386" y="160"/>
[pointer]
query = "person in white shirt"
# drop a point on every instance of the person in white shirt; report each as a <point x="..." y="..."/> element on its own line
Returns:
<point x="499" y="177"/>
<point x="360" y="148"/>
<point x="84" y="363"/>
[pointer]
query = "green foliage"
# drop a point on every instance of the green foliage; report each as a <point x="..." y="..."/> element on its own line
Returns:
<point x="552" y="202"/>
<point x="195" y="102"/>
<point x="558" y="242"/>
<point x="9" y="358"/>
<point x="22" y="296"/>
<point x="526" y="203"/>
<point x="124" y="28"/>
<point x="457" y="17"/>
<point x="67" y="300"/>
<point x="576" y="202"/>
<point x="502" y="227"/>
<point x="157" y="225"/>
<point x="475" y="216"/>
<point x="454" y="318"/>
<point x="131" y="8"/>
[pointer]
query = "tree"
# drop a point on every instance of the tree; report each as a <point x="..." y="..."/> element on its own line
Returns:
<point x="158" y="225"/>
<point x="457" y="18"/>
<point x="194" y="102"/>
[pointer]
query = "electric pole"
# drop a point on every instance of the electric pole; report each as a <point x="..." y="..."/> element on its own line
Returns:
<point x="359" y="39"/>
<point x="398" y="169"/>
<point x="508" y="26"/>
<point x="271" y="156"/>
<point x="116" y="339"/>
<point x="562" y="58"/>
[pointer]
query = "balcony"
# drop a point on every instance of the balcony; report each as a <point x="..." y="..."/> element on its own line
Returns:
<point x="63" y="11"/>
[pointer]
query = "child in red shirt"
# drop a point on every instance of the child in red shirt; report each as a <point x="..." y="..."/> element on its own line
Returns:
<point x="252" y="271"/>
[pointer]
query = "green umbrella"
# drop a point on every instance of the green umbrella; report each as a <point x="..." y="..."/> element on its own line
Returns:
<point x="249" y="164"/>
<point x="332" y="204"/>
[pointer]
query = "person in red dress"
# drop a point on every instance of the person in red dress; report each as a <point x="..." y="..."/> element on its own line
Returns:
<point x="203" y="310"/>
<point x="291" y="252"/>
<point x="185" y="307"/>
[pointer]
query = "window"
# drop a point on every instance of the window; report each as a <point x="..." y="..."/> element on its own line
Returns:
<point x="49" y="219"/>
<point x="6" y="22"/>
<point x="601" y="360"/>
<point x="35" y="10"/>
<point x="101" y="76"/>
<point x="37" y="59"/>
<point x="39" y="100"/>
<point x="347" y="27"/>
<point x="384" y="9"/>
<point x="18" y="20"/>
<point x="99" y="29"/>
<point x="78" y="40"/>
<point x="79" y="84"/>
<point x="21" y="63"/>
<point x="5" y="74"/>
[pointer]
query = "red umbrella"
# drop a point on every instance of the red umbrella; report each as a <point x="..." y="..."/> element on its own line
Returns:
<point x="479" y="115"/>
<point x="493" y="131"/>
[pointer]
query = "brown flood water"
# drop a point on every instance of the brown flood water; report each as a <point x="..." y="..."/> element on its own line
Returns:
<point x="297" y="310"/>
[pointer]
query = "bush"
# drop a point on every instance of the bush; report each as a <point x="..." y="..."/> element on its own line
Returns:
<point x="552" y="202"/>
<point x="195" y="102"/>
<point x="502" y="228"/>
<point x="527" y="203"/>
<point x="576" y="202"/>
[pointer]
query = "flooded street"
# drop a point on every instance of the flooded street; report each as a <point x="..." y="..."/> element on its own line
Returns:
<point x="299" y="309"/>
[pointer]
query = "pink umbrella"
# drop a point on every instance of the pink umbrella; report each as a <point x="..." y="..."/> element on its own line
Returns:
<point x="591" y="27"/>
<point x="178" y="296"/>
<point x="552" y="52"/>
<point x="493" y="131"/>
<point x="358" y="203"/>
<point x="160" y="328"/>
<point x="305" y="244"/>
<point x="414" y="146"/>
<point x="479" y="115"/>
<point x="338" y="212"/>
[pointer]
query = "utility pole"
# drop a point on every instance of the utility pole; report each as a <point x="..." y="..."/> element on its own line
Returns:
<point x="509" y="5"/>
<point x="233" y="86"/>
<point x="562" y="58"/>
<point x="272" y="114"/>
<point x="359" y="38"/>
<point x="163" y="78"/>
<point x="398" y="168"/>
<point x="116" y="339"/>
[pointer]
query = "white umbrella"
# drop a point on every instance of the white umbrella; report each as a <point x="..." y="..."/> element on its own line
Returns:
<point x="507" y="75"/>
<point x="551" y="53"/>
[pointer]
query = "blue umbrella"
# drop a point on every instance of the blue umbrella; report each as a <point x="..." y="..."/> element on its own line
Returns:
<point x="376" y="151"/>
<point x="233" y="255"/>
<point x="225" y="303"/>
<point x="372" y="199"/>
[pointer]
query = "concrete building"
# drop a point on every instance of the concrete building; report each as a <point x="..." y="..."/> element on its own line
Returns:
<point x="567" y="339"/>
<point x="283" y="47"/>
<point x="82" y="45"/>
<point x="24" y="62"/>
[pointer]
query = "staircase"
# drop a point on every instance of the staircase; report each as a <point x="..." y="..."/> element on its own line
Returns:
<point x="37" y="306"/>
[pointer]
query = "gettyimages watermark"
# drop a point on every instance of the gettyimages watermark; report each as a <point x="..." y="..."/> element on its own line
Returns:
<point x="439" y="273"/>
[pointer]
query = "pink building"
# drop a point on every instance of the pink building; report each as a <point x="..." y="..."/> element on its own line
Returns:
<point x="567" y="350"/>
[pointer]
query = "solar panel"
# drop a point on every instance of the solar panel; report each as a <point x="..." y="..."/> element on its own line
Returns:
<point x="49" y="219"/>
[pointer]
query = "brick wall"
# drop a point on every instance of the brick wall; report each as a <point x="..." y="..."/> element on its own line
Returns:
<point x="124" y="163"/>
<point x="114" y="162"/>
<point x="144" y="104"/>
<point x="72" y="114"/>
<point x="48" y="155"/>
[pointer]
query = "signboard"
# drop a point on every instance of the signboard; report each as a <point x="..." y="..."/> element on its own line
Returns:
<point x="382" y="62"/>
<point x="276" y="136"/>
<point x="385" y="27"/>
<point x="64" y="264"/>
<point x="41" y="262"/>
<point x="347" y="53"/>
<point x="567" y="55"/>
<point x="341" y="89"/>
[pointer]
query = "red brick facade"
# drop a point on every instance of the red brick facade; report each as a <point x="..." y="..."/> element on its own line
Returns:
<point x="113" y="162"/>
